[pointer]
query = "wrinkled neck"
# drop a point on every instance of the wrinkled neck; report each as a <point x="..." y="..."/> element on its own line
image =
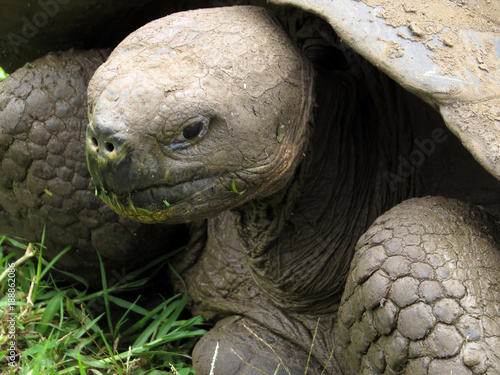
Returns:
<point x="300" y="241"/>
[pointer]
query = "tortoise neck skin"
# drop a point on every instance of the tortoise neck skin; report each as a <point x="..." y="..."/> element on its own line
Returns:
<point x="299" y="243"/>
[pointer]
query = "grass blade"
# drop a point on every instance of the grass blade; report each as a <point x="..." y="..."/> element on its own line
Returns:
<point x="13" y="242"/>
<point x="80" y="366"/>
<point x="123" y="319"/>
<point x="150" y="330"/>
<point x="52" y="308"/>
<point x="105" y="293"/>
<point x="179" y="306"/>
<point x="152" y="314"/>
<point x="49" y="265"/>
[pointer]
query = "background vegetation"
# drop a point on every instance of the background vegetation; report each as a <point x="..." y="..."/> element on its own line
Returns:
<point x="64" y="327"/>
<point x="2" y="74"/>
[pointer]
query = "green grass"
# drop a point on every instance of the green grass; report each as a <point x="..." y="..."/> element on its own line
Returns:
<point x="57" y="331"/>
<point x="3" y="75"/>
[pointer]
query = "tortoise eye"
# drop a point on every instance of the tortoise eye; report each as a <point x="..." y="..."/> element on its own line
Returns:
<point x="194" y="130"/>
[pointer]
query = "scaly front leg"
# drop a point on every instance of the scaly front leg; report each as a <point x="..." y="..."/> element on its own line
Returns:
<point x="423" y="293"/>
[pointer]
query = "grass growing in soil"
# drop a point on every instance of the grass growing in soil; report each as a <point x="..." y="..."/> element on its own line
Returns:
<point x="56" y="331"/>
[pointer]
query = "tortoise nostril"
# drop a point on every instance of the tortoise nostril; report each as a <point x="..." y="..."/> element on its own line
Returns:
<point x="105" y="141"/>
<point x="109" y="147"/>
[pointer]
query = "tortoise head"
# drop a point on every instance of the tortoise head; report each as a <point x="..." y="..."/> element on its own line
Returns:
<point x="197" y="113"/>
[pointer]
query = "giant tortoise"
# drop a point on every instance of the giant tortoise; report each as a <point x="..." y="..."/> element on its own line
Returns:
<point x="293" y="165"/>
<point x="336" y="224"/>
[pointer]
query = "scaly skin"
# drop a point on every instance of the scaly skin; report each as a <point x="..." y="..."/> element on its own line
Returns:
<point x="270" y="255"/>
<point x="422" y="293"/>
<point x="44" y="181"/>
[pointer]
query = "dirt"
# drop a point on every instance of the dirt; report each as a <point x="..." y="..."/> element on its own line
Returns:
<point x="442" y="20"/>
<point x="481" y="15"/>
<point x="460" y="37"/>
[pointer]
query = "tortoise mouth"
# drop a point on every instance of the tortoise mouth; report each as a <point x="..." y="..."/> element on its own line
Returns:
<point x="161" y="203"/>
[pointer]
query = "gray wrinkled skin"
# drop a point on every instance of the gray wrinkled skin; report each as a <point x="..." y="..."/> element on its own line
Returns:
<point x="44" y="181"/>
<point x="136" y="133"/>
<point x="421" y="292"/>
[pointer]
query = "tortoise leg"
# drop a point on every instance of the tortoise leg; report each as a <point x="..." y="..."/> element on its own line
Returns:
<point x="423" y="293"/>
<point x="245" y="347"/>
